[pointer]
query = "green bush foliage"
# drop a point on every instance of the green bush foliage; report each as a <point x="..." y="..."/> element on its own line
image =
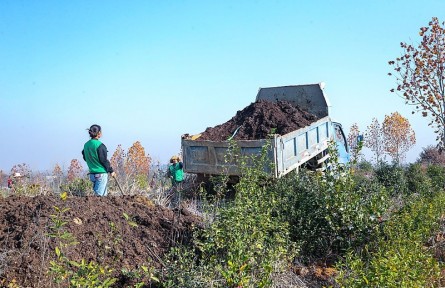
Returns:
<point x="399" y="258"/>
<point x="392" y="176"/>
<point x="183" y="268"/>
<point x="330" y="212"/>
<point x="246" y="241"/>
<point x="78" y="187"/>
<point x="437" y="175"/>
<point x="417" y="180"/>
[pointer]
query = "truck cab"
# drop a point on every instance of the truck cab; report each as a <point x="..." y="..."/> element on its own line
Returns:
<point x="341" y="144"/>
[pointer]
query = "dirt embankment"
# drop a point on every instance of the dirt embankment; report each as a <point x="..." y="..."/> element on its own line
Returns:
<point x="118" y="232"/>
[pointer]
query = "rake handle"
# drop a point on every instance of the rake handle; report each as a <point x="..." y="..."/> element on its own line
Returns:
<point x="118" y="185"/>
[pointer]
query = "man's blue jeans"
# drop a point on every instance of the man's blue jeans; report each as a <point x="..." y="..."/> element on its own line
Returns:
<point x="99" y="183"/>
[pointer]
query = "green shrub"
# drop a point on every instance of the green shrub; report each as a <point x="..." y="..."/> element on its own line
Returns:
<point x="141" y="181"/>
<point x="246" y="241"/>
<point x="437" y="176"/>
<point x="418" y="180"/>
<point x="78" y="186"/>
<point x="4" y="192"/>
<point x="330" y="212"/>
<point x="392" y="176"/>
<point x="328" y="215"/>
<point x="184" y="269"/>
<point x="365" y="166"/>
<point x="399" y="259"/>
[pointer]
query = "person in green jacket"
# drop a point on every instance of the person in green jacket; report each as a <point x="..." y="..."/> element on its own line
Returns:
<point x="95" y="154"/>
<point x="176" y="173"/>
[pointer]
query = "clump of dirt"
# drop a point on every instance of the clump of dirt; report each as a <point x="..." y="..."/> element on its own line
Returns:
<point x="116" y="232"/>
<point x="260" y="119"/>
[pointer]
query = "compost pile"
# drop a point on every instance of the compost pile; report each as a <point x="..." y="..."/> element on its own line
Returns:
<point x="259" y="120"/>
<point x="121" y="233"/>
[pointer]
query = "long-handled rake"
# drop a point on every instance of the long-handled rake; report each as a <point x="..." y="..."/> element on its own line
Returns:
<point x="119" y="185"/>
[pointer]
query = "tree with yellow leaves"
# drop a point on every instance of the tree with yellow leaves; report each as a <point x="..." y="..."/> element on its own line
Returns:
<point x="137" y="162"/>
<point x="132" y="167"/>
<point x="398" y="136"/>
<point x="118" y="160"/>
<point x="420" y="76"/>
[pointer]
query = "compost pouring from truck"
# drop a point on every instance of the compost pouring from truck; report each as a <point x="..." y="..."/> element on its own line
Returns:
<point x="305" y="146"/>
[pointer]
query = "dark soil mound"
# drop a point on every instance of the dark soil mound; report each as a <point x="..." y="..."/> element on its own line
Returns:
<point x="118" y="232"/>
<point x="260" y="119"/>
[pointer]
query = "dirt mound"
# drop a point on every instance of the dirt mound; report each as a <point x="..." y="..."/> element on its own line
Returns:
<point x="260" y="119"/>
<point x="118" y="232"/>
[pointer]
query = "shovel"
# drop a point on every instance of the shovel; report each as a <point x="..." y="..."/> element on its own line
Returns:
<point x="118" y="185"/>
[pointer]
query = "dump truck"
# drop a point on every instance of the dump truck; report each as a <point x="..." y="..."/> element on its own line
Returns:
<point x="306" y="146"/>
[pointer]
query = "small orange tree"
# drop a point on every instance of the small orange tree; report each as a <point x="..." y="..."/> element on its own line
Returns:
<point x="398" y="136"/>
<point x="74" y="170"/>
<point x="118" y="160"/>
<point x="132" y="167"/>
<point x="137" y="162"/>
<point x="373" y="139"/>
<point x="420" y="76"/>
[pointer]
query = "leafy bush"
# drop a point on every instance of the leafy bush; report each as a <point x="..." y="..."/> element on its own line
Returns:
<point x="437" y="176"/>
<point x="78" y="186"/>
<point x="26" y="189"/>
<point x="328" y="213"/>
<point x="399" y="259"/>
<point x="392" y="176"/>
<point x="183" y="269"/>
<point x="418" y="180"/>
<point x="246" y="241"/>
<point x="365" y="166"/>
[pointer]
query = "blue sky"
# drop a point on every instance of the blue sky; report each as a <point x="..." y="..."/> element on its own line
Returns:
<point x="151" y="71"/>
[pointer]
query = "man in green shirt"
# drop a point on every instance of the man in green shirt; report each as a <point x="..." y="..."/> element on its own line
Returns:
<point x="95" y="154"/>
<point x="176" y="174"/>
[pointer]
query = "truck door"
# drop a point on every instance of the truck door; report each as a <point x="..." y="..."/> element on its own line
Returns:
<point x="342" y="144"/>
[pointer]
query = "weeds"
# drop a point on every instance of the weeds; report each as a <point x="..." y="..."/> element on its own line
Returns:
<point x="400" y="258"/>
<point x="66" y="271"/>
<point x="243" y="244"/>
